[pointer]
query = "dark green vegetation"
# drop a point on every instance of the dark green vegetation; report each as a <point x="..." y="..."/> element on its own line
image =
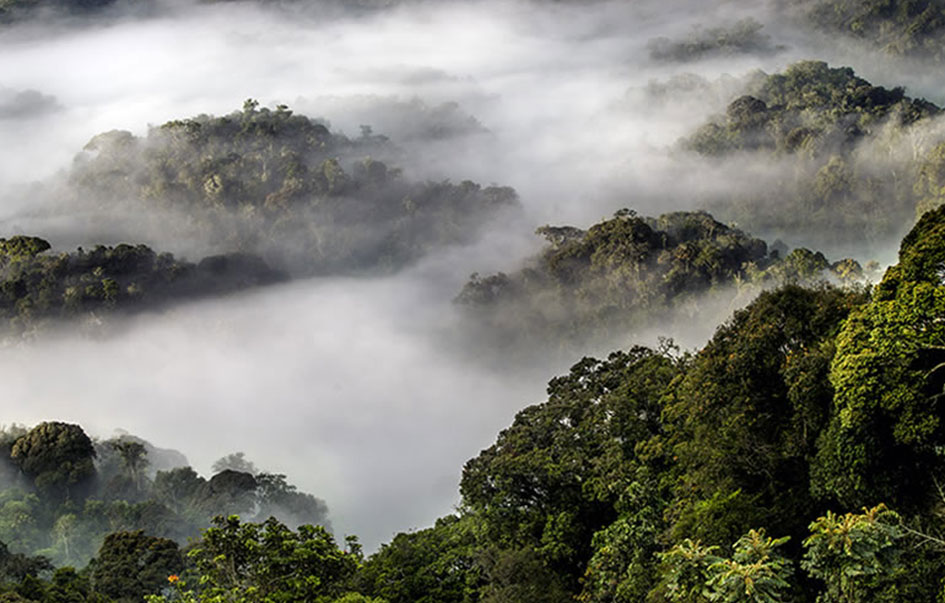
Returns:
<point x="850" y="155"/>
<point x="37" y="287"/>
<point x="282" y="185"/>
<point x="629" y="271"/>
<point x="913" y="28"/>
<point x="717" y="476"/>
<point x="809" y="108"/>
<point x="255" y="181"/>
<point x="67" y="498"/>
<point x="795" y="458"/>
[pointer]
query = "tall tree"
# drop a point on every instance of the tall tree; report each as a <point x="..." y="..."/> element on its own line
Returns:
<point x="58" y="457"/>
<point x="888" y="422"/>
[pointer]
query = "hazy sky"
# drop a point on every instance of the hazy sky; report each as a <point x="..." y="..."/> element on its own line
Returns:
<point x="344" y="384"/>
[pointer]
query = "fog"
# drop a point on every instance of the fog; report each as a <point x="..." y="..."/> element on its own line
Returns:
<point x="357" y="387"/>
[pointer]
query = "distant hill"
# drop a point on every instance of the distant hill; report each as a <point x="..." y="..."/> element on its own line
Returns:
<point x="843" y="156"/>
<point x="282" y="186"/>
<point x="628" y="271"/>
<point x="38" y="287"/>
<point x="906" y="28"/>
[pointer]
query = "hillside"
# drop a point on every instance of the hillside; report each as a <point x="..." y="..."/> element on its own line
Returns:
<point x="811" y="419"/>
<point x="844" y="159"/>
<point x="627" y="272"/>
<point x="283" y="186"/>
<point x="915" y="28"/>
<point x="241" y="360"/>
<point x="40" y="289"/>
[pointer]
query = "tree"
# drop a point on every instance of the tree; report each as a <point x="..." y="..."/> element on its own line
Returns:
<point x="58" y="457"/>
<point x="178" y="488"/>
<point x="276" y="497"/>
<point x="756" y="572"/>
<point x="686" y="573"/>
<point x="134" y="458"/>
<point x="236" y="461"/>
<point x="887" y="423"/>
<point x="744" y="420"/>
<point x="551" y="479"/>
<point x="624" y="565"/>
<point x="854" y="554"/>
<point x="270" y="562"/>
<point x="22" y="519"/>
<point x="132" y="564"/>
<point x="64" y="531"/>
<point x="15" y="567"/>
<point x="435" y="565"/>
<point x="21" y="247"/>
<point x="519" y="574"/>
<point x="229" y="491"/>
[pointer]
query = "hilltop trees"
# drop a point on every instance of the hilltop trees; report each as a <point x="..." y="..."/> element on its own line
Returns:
<point x="282" y="185"/>
<point x="846" y="169"/>
<point x="70" y="499"/>
<point x="809" y="107"/>
<point x="628" y="271"/>
<point x="912" y="28"/>
<point x="132" y="564"/>
<point x="36" y="287"/>
<point x="887" y="425"/>
<point x="58" y="457"/>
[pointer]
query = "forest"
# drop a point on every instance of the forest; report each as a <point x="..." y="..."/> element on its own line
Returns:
<point x="630" y="270"/>
<point x="651" y="474"/>
<point x="282" y="185"/>
<point x="724" y="273"/>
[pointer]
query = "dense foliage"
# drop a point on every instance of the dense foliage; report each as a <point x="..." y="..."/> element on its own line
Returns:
<point x="811" y="108"/>
<point x="914" y="28"/>
<point x="38" y="287"/>
<point x="282" y="185"/>
<point x="63" y="493"/>
<point x="852" y="161"/>
<point x="628" y="271"/>
<point x="717" y="476"/>
<point x="795" y="457"/>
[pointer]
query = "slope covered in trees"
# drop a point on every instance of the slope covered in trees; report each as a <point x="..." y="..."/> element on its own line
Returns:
<point x="811" y="108"/>
<point x="284" y="186"/>
<point x="253" y="182"/>
<point x="38" y="287"/>
<point x="754" y="470"/>
<point x="906" y="28"/>
<point x="64" y="493"/>
<point x="851" y="159"/>
<point x="630" y="271"/>
<point x="793" y="458"/>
